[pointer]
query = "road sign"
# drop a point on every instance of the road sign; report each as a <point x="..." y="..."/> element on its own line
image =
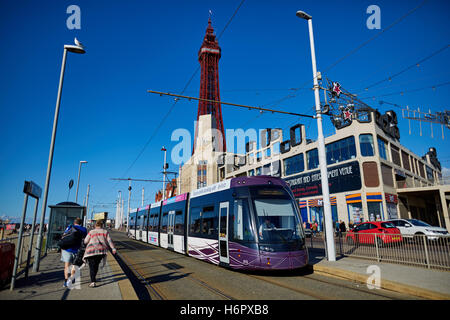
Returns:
<point x="32" y="189"/>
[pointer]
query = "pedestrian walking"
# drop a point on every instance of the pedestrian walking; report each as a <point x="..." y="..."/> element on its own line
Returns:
<point x="350" y="225"/>
<point x="342" y="227"/>
<point x="314" y="228"/>
<point x="70" y="243"/>
<point x="98" y="241"/>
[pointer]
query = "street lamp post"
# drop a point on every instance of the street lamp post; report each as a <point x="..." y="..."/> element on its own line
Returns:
<point x="164" y="173"/>
<point x="329" y="234"/>
<point x="78" y="181"/>
<point x="78" y="48"/>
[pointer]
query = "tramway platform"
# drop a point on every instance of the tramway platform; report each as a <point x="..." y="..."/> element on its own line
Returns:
<point x="47" y="284"/>
<point x="417" y="281"/>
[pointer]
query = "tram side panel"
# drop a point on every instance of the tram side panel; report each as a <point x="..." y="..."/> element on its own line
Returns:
<point x="132" y="227"/>
<point x="172" y="223"/>
<point x="203" y="226"/>
<point x="153" y="233"/>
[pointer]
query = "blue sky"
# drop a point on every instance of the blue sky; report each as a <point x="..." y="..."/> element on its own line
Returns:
<point x="107" y="117"/>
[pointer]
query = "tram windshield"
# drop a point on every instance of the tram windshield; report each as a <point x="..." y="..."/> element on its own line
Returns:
<point x="277" y="220"/>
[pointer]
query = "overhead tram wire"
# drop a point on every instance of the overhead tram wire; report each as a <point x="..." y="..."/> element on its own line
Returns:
<point x="302" y="86"/>
<point x="407" y="91"/>
<point x="389" y="78"/>
<point x="175" y="102"/>
<point x="363" y="44"/>
<point x="375" y="36"/>
<point x="232" y="104"/>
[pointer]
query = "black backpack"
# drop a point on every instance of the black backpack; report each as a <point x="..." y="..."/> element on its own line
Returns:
<point x="71" y="239"/>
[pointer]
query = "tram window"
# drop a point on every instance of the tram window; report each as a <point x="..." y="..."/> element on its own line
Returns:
<point x="164" y="222"/>
<point x="195" y="221"/>
<point x="139" y="222"/>
<point x="154" y="222"/>
<point x="241" y="221"/>
<point x="151" y="222"/>
<point x="179" y="222"/>
<point x="277" y="219"/>
<point x="209" y="222"/>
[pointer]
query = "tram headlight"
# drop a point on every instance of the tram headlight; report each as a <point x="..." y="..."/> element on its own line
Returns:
<point x="266" y="248"/>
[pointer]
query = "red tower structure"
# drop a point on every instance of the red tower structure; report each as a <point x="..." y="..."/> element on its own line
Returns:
<point x="208" y="56"/>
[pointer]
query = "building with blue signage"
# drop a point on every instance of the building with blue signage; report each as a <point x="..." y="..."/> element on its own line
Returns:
<point x="371" y="175"/>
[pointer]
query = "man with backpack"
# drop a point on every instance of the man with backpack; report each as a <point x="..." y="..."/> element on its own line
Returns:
<point x="70" y="243"/>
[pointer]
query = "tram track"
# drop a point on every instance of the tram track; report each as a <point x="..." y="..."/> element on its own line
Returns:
<point x="142" y="283"/>
<point x="327" y="282"/>
<point x="186" y="275"/>
<point x="304" y="290"/>
<point x="295" y="289"/>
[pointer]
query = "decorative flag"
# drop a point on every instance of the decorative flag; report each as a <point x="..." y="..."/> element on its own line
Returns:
<point x="347" y="114"/>
<point x="336" y="88"/>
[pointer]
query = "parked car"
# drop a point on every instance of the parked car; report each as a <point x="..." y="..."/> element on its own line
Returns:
<point x="413" y="227"/>
<point x="368" y="232"/>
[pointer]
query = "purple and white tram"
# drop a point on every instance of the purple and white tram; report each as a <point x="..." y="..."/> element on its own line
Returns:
<point x="243" y="223"/>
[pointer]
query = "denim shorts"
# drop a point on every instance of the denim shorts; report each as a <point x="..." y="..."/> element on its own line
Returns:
<point x="67" y="256"/>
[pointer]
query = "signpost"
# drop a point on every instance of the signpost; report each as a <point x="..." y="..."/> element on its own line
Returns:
<point x="30" y="189"/>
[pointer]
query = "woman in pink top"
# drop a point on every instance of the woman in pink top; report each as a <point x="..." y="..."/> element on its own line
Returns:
<point x="98" y="241"/>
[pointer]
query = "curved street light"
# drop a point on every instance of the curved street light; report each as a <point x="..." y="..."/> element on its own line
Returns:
<point x="78" y="181"/>
<point x="77" y="48"/>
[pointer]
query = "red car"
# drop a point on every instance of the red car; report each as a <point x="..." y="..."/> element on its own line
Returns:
<point x="366" y="232"/>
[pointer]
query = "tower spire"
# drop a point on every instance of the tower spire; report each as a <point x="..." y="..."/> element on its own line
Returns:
<point x="208" y="56"/>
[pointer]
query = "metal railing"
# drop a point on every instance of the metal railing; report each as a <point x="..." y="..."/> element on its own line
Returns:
<point x="421" y="250"/>
<point x="23" y="254"/>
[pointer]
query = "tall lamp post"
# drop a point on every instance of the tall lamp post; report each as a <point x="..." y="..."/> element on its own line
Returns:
<point x="164" y="172"/>
<point x="321" y="147"/>
<point x="77" y="48"/>
<point x="78" y="181"/>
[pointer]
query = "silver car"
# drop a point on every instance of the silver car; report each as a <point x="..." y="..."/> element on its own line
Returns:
<point x="414" y="227"/>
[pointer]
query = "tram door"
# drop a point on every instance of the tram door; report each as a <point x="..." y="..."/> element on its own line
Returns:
<point x="223" y="232"/>
<point x="170" y="228"/>
<point x="141" y="226"/>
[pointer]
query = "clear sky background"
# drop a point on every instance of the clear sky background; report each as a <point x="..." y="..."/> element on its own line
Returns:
<point x="108" y="119"/>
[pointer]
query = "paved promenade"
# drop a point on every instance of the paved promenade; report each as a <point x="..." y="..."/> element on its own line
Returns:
<point x="47" y="284"/>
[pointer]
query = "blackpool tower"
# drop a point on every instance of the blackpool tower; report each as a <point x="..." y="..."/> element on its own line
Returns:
<point x="208" y="56"/>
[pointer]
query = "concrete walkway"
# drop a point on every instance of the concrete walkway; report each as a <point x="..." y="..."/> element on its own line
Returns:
<point x="421" y="282"/>
<point x="47" y="284"/>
